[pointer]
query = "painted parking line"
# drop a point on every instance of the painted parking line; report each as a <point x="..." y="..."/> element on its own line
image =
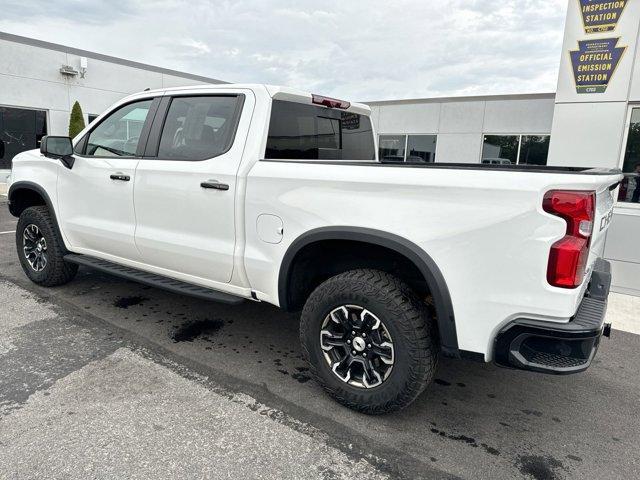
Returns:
<point x="8" y="231"/>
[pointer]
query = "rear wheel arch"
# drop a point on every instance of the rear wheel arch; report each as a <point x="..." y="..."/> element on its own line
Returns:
<point x="404" y="248"/>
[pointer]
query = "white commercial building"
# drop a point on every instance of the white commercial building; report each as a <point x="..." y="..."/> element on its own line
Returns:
<point x="592" y="120"/>
<point x="40" y="81"/>
<point x="516" y="128"/>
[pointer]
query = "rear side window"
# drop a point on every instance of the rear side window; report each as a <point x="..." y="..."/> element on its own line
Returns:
<point x="308" y="132"/>
<point x="198" y="128"/>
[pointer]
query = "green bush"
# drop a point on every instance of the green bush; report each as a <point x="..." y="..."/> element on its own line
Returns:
<point x="76" y="122"/>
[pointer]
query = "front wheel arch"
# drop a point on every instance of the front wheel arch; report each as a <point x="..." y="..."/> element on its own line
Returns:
<point x="24" y="194"/>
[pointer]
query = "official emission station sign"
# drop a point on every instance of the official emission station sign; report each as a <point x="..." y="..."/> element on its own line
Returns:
<point x="596" y="60"/>
<point x="594" y="63"/>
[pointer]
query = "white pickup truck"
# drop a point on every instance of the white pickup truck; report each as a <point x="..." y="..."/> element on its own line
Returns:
<point x="269" y="194"/>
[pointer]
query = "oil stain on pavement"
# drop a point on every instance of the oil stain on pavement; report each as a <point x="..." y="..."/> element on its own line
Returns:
<point x="539" y="467"/>
<point x="126" y="302"/>
<point x="189" y="331"/>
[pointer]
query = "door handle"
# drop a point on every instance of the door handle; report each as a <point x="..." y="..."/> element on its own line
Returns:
<point x="214" y="185"/>
<point x="120" y="176"/>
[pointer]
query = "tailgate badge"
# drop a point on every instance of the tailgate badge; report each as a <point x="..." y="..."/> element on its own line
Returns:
<point x="606" y="220"/>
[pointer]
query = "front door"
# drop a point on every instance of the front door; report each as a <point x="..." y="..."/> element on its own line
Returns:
<point x="186" y="185"/>
<point x="95" y="197"/>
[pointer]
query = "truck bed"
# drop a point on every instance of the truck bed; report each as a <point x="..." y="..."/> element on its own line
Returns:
<point x="468" y="166"/>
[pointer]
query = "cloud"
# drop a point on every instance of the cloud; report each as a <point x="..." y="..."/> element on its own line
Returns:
<point x="356" y="49"/>
<point x="94" y="13"/>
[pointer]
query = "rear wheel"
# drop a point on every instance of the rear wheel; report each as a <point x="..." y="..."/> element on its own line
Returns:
<point x="369" y="341"/>
<point x="41" y="250"/>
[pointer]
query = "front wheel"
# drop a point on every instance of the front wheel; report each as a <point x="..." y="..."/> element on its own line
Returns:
<point x="41" y="250"/>
<point x="369" y="341"/>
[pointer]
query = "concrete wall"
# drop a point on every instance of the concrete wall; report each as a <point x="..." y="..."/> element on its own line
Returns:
<point x="30" y="78"/>
<point x="589" y="129"/>
<point x="460" y="123"/>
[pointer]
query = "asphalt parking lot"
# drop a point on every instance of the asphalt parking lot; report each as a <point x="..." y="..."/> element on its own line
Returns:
<point x="105" y="378"/>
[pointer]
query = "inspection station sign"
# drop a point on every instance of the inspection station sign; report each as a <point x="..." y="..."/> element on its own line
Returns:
<point x="601" y="15"/>
<point x="594" y="63"/>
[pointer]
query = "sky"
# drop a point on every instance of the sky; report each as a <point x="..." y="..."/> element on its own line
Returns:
<point x="355" y="49"/>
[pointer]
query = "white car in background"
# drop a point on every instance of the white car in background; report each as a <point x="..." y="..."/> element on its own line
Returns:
<point x="497" y="161"/>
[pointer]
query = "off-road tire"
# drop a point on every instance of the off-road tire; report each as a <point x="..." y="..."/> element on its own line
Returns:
<point x="56" y="271"/>
<point x="404" y="315"/>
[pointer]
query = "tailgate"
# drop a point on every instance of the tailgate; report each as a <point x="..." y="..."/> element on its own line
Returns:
<point x="602" y="220"/>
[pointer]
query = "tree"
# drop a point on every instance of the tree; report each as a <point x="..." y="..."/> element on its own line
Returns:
<point x="76" y="122"/>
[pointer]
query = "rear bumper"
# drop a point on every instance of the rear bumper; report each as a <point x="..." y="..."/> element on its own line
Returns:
<point x="559" y="348"/>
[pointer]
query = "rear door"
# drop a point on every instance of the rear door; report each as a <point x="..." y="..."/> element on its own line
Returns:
<point x="186" y="184"/>
<point x="95" y="197"/>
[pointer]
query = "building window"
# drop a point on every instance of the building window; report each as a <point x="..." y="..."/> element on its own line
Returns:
<point x="407" y="148"/>
<point x="499" y="149"/>
<point x="515" y="149"/>
<point x="392" y="148"/>
<point x="421" y="148"/>
<point x="534" y="149"/>
<point x="91" y="117"/>
<point x="20" y="130"/>
<point x="630" y="187"/>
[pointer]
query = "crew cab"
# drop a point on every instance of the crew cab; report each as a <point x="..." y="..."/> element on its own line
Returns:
<point x="259" y="193"/>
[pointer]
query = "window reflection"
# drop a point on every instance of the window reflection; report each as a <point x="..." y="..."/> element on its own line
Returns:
<point x="421" y="148"/>
<point x="310" y="132"/>
<point x="500" y="149"/>
<point x="630" y="187"/>
<point x="407" y="148"/>
<point x="515" y="149"/>
<point x="534" y="149"/>
<point x="20" y="129"/>
<point x="198" y="128"/>
<point x="119" y="133"/>
<point x="392" y="148"/>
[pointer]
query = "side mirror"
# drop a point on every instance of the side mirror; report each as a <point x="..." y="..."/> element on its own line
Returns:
<point x="59" y="148"/>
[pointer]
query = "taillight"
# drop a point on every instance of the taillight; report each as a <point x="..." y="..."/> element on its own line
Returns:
<point x="568" y="256"/>
<point x="330" y="102"/>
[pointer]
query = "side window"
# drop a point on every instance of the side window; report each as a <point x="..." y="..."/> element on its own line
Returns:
<point x="118" y="134"/>
<point x="198" y="128"/>
<point x="308" y="132"/>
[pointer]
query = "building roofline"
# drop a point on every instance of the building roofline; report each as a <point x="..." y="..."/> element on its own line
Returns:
<point x="478" y="98"/>
<point x="106" y="58"/>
